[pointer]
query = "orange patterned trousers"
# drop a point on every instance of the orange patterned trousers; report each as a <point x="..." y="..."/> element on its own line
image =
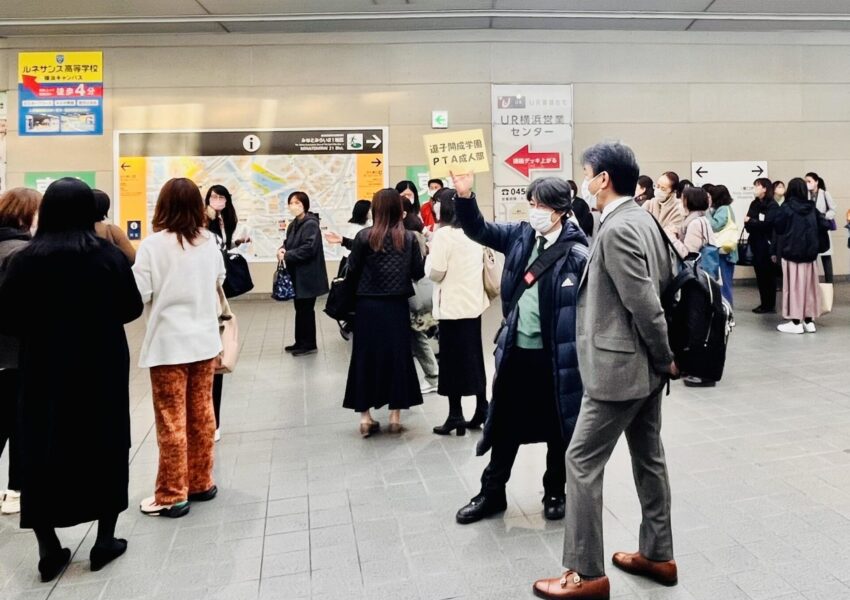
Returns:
<point x="185" y="429"/>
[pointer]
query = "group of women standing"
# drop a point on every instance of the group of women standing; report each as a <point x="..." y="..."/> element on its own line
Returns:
<point x="80" y="351"/>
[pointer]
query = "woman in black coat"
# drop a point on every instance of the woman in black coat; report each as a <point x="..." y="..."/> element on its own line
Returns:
<point x="305" y="260"/>
<point x="67" y="296"/>
<point x="385" y="261"/>
<point x="759" y="224"/>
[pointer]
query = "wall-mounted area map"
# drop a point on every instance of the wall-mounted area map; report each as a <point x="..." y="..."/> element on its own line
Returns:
<point x="259" y="168"/>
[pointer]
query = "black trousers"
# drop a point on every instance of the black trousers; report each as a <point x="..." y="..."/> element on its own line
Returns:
<point x="502" y="457"/>
<point x="218" y="383"/>
<point x="9" y="422"/>
<point x="766" y="280"/>
<point x="827" y="269"/>
<point x="305" y="322"/>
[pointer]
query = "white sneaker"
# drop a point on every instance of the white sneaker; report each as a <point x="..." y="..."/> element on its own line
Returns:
<point x="11" y="503"/>
<point x="152" y="509"/>
<point x="790" y="327"/>
<point x="428" y="388"/>
<point x="217" y="435"/>
<point x="810" y="327"/>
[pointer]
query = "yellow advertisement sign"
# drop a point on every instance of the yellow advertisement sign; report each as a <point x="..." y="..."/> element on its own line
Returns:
<point x="456" y="152"/>
<point x="61" y="67"/>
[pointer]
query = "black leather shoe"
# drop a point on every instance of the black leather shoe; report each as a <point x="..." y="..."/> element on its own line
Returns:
<point x="481" y="507"/>
<point x="100" y="556"/>
<point x="51" y="565"/>
<point x="761" y="310"/>
<point x="304" y="351"/>
<point x="554" y="507"/>
<point x="291" y="348"/>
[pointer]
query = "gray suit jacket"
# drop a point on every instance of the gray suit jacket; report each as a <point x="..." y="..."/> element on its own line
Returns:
<point x="623" y="350"/>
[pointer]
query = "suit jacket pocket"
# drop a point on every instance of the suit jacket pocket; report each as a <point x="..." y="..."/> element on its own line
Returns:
<point x="614" y="344"/>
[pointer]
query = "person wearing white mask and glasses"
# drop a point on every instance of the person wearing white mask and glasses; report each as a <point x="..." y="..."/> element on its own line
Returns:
<point x="537" y="390"/>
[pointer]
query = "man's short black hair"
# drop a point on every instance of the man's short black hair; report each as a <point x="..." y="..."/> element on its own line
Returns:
<point x="616" y="159"/>
<point x="552" y="192"/>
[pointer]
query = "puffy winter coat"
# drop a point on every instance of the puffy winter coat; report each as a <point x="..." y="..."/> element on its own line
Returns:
<point x="557" y="305"/>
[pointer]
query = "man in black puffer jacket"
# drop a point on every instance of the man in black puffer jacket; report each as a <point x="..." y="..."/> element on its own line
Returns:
<point x="537" y="391"/>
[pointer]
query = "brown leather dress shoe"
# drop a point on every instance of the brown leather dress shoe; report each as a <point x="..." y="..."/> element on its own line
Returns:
<point x="663" y="572"/>
<point x="573" y="585"/>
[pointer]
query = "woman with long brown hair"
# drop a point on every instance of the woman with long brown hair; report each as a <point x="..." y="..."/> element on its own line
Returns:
<point x="385" y="261"/>
<point x="177" y="270"/>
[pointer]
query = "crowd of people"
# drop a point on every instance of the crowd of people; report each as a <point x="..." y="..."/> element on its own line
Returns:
<point x="582" y="355"/>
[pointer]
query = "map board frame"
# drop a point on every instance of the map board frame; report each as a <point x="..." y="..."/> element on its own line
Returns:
<point x="134" y="150"/>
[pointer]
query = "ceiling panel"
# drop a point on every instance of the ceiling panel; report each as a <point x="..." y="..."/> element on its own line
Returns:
<point x="45" y="30"/>
<point x="604" y="5"/>
<point x="767" y="26"/>
<point x="591" y="24"/>
<point x="358" y="26"/>
<point x="29" y="9"/>
<point x="782" y="6"/>
<point x="268" y="7"/>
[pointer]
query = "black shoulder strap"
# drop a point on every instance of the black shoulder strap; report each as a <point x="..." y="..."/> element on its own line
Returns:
<point x="667" y="242"/>
<point x="541" y="264"/>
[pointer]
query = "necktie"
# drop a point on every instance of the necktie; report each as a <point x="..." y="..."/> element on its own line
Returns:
<point x="541" y="243"/>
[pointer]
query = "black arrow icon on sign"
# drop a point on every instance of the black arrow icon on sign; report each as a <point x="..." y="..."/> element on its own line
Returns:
<point x="377" y="162"/>
<point x="701" y="171"/>
<point x="758" y="170"/>
<point x="124" y="166"/>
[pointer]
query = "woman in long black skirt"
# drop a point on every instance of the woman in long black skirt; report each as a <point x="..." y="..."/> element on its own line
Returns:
<point x="457" y="265"/>
<point x="385" y="261"/>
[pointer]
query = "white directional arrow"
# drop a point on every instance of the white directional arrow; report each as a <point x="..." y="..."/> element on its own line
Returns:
<point x="374" y="141"/>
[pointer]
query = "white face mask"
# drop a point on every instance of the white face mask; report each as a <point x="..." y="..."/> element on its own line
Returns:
<point x="540" y="220"/>
<point x="591" y="199"/>
<point x="218" y="203"/>
<point x="295" y="209"/>
<point x="661" y="194"/>
<point x="437" y="210"/>
<point x="812" y="186"/>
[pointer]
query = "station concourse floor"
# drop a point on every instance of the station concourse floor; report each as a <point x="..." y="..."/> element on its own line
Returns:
<point x="759" y="465"/>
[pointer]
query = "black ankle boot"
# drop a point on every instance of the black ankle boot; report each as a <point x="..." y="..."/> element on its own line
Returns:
<point x="452" y="424"/>
<point x="481" y="507"/>
<point x="554" y="507"/>
<point x="100" y="556"/>
<point x="51" y="565"/>
<point x="478" y="418"/>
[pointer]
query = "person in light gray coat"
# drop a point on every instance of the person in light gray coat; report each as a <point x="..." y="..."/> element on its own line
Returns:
<point x="625" y="362"/>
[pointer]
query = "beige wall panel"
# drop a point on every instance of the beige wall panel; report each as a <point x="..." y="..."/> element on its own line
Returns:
<point x="746" y="141"/>
<point x="81" y="153"/>
<point x="723" y="103"/>
<point x="466" y="103"/>
<point x="438" y="63"/>
<point x="408" y="148"/>
<point x="826" y="102"/>
<point x="825" y="64"/>
<point x="213" y="67"/>
<point x="656" y="142"/>
<point x="824" y="141"/>
<point x="319" y="64"/>
<point x="630" y="103"/>
<point x="711" y="63"/>
<point x="263" y="107"/>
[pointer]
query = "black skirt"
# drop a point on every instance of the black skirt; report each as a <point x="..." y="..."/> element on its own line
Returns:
<point x="461" y="358"/>
<point x="382" y="372"/>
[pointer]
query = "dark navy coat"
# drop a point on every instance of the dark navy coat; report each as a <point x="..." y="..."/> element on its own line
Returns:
<point x="557" y="305"/>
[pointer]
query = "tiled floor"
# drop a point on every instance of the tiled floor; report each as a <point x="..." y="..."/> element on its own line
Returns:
<point x="760" y="471"/>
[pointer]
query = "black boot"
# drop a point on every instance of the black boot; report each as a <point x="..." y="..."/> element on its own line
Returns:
<point x="452" y="424"/>
<point x="481" y="507"/>
<point x="480" y="415"/>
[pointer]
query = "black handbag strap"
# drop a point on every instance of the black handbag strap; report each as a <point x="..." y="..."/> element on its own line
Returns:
<point x="541" y="264"/>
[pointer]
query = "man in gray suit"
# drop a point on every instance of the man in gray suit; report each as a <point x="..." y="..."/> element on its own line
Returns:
<point x="625" y="362"/>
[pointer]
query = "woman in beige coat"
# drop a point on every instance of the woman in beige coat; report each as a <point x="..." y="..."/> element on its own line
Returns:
<point x="665" y="206"/>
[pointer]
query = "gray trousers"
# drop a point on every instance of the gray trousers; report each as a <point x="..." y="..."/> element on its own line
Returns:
<point x="424" y="355"/>
<point x="598" y="428"/>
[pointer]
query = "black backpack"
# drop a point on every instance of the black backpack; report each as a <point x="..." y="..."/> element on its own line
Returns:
<point x="698" y="319"/>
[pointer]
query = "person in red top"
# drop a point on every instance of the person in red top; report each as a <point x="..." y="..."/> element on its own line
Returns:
<point x="429" y="212"/>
